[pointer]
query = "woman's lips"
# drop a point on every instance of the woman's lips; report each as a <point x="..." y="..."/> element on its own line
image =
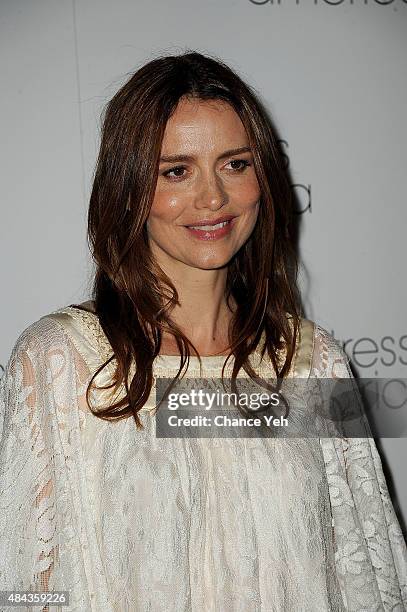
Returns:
<point x="204" y="233"/>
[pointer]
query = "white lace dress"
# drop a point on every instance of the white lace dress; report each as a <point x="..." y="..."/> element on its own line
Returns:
<point x="126" y="521"/>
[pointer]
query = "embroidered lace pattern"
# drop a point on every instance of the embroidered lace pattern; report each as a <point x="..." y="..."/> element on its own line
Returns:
<point x="127" y="521"/>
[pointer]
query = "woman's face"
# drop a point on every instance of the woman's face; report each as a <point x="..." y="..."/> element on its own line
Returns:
<point x="206" y="175"/>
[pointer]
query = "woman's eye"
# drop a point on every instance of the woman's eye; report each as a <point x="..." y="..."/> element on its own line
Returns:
<point x="175" y="172"/>
<point x="239" y="164"/>
<point x="179" y="172"/>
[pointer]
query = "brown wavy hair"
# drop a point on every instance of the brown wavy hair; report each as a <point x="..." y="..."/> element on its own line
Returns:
<point x="132" y="295"/>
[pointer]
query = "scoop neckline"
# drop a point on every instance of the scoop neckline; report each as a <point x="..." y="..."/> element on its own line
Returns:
<point x="167" y="359"/>
<point x="192" y="358"/>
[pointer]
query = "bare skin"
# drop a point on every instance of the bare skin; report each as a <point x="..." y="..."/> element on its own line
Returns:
<point x="210" y="184"/>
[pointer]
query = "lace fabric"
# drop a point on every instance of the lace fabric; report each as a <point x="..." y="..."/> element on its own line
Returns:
<point x="127" y="521"/>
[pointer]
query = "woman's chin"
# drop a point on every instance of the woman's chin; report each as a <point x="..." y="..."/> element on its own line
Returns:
<point x="211" y="263"/>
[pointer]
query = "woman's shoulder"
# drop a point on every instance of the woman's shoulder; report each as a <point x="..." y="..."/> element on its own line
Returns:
<point x="39" y="354"/>
<point x="81" y="324"/>
<point x="328" y="358"/>
<point x="38" y="337"/>
<point x="73" y="325"/>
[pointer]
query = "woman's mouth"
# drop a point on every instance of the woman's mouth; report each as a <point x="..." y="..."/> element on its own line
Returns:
<point x="211" y="232"/>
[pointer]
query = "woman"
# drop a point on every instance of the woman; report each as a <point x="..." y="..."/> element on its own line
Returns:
<point x="190" y="228"/>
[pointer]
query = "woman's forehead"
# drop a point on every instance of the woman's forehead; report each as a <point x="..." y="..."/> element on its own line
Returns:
<point x="198" y="124"/>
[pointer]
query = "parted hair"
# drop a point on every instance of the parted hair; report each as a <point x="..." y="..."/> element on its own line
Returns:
<point x="132" y="295"/>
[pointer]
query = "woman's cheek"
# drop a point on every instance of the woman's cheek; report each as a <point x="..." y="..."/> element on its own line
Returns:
<point x="165" y="207"/>
<point x="246" y="194"/>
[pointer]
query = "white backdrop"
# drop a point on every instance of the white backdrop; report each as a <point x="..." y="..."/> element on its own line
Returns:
<point x="332" y="75"/>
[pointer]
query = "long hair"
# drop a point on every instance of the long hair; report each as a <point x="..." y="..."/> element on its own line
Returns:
<point x="133" y="297"/>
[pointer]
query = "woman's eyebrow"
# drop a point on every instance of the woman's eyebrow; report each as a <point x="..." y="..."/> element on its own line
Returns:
<point x="189" y="158"/>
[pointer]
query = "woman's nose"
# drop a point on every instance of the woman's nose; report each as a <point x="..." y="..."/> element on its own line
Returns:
<point x="211" y="193"/>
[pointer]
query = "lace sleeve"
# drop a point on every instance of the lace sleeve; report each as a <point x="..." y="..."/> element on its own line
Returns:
<point x="27" y="487"/>
<point x="40" y="547"/>
<point x="371" y="553"/>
